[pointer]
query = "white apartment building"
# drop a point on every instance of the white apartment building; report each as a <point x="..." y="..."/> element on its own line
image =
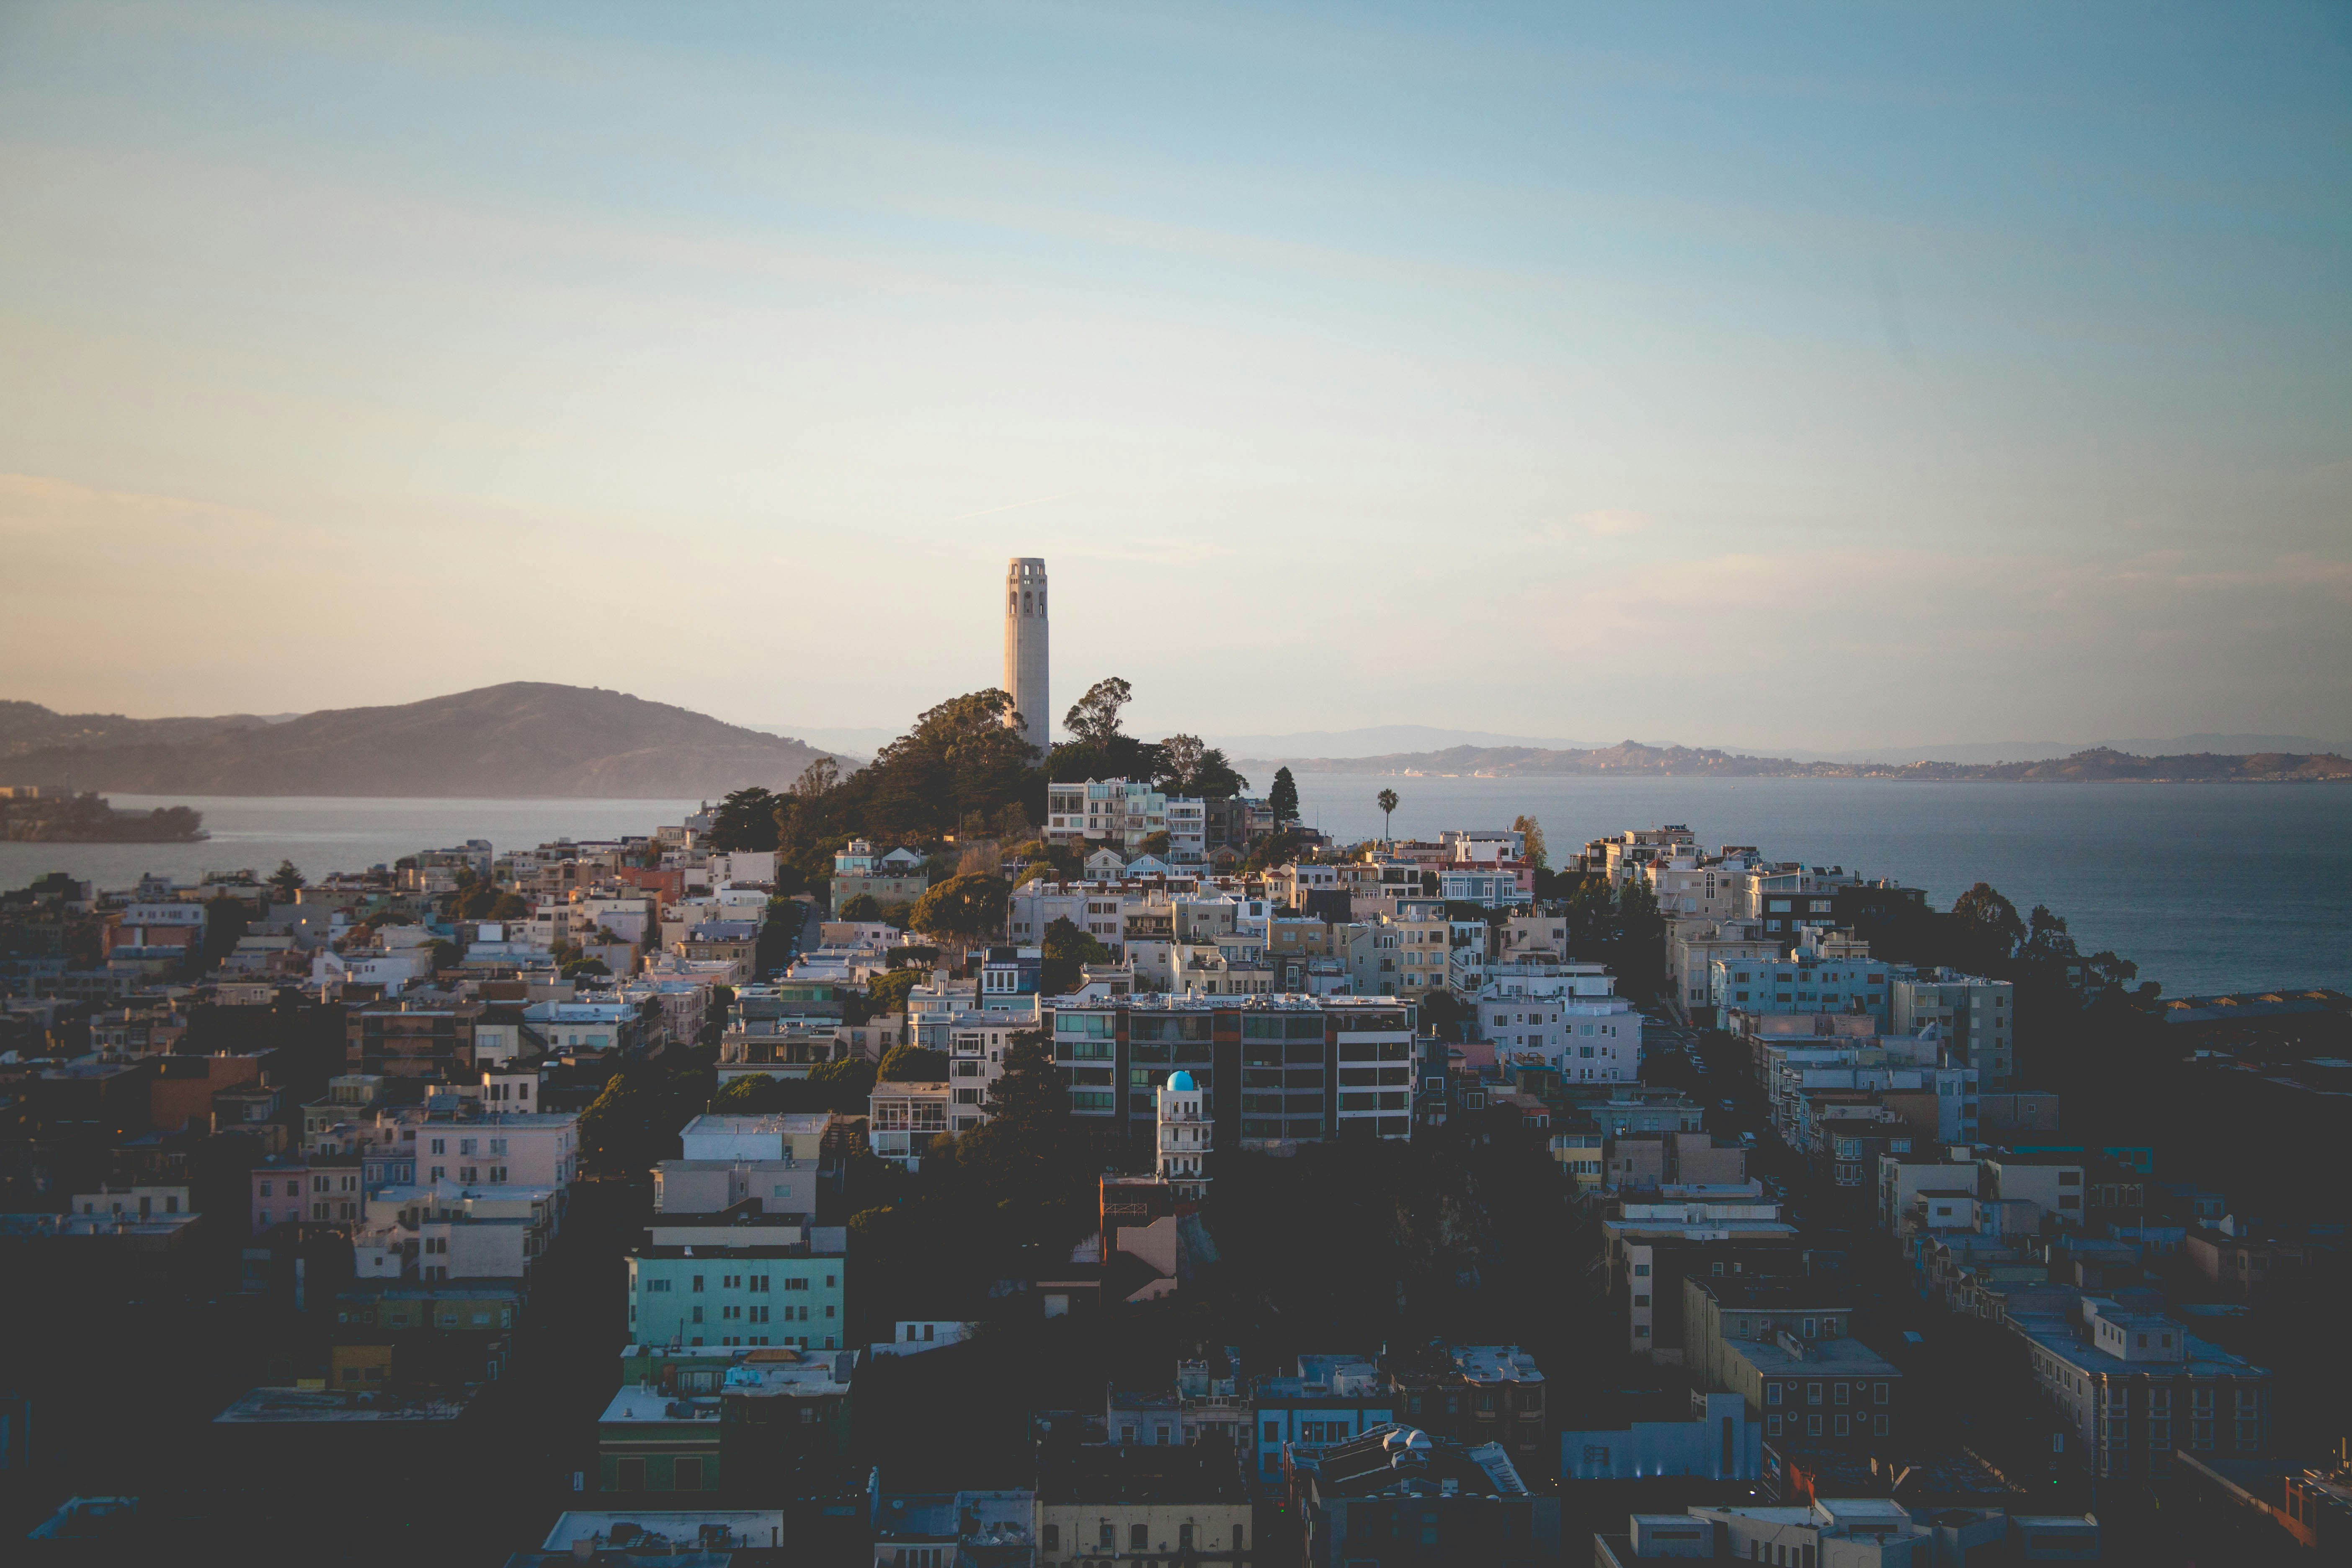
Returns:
<point x="1122" y="813"/>
<point x="1694" y="887"/>
<point x="502" y="1147"/>
<point x="974" y="1040"/>
<point x="1566" y="1016"/>
<point x="1694" y="944"/>
<point x="797" y="1137"/>
<point x="1188" y="831"/>
<point x="1977" y="1015"/>
<point x="1097" y="909"/>
<point x="1826" y="974"/>
<point x="1627" y="856"/>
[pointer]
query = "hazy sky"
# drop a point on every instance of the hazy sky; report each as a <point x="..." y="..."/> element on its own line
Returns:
<point x="1750" y="375"/>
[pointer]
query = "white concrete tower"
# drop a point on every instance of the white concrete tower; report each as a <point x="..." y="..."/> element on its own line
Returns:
<point x="1025" y="648"/>
<point x="1185" y="1136"/>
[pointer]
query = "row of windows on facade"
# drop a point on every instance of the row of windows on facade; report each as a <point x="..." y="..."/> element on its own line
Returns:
<point x="1839" y="1427"/>
<point x="1841" y="1392"/>
<point x="1139" y="1538"/>
<point x="755" y="1283"/>
<point x="261" y="1220"/>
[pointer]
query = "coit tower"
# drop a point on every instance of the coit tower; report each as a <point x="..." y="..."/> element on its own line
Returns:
<point x="1025" y="646"/>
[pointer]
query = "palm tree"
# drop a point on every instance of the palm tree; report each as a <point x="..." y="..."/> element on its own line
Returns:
<point x="1387" y="801"/>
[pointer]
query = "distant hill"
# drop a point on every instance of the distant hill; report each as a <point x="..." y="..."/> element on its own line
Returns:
<point x="1384" y="741"/>
<point x="1380" y="740"/>
<point x="526" y="738"/>
<point x="29" y="727"/>
<point x="1630" y="758"/>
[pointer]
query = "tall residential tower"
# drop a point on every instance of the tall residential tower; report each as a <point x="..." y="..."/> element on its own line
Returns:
<point x="1025" y="648"/>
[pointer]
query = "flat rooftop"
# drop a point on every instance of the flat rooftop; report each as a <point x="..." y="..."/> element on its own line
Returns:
<point x="804" y="1125"/>
<point x="1822" y="1358"/>
<point x="652" y="1527"/>
<point x="301" y="1406"/>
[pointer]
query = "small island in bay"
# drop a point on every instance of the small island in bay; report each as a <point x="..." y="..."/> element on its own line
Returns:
<point x="45" y="813"/>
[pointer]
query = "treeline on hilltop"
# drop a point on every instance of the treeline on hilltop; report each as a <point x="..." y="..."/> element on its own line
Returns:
<point x="963" y="772"/>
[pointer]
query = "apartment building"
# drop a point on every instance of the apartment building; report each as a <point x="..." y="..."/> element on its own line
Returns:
<point x="1790" y="899"/>
<point x="421" y="1036"/>
<point x="974" y="1040"/>
<point x="1565" y="1016"/>
<point x="1465" y="1504"/>
<point x="1628" y="857"/>
<point x="762" y="1293"/>
<point x="1122" y="814"/>
<point x="1275" y="1070"/>
<point x="2137" y="1386"/>
<point x="1403" y="951"/>
<point x="1826" y="972"/>
<point x="1653" y="1242"/>
<point x="1977" y="1015"/>
<point x="1473" y="1395"/>
<point x="1110" y="1502"/>
<point x="1693" y="946"/>
<point x="1325" y="1399"/>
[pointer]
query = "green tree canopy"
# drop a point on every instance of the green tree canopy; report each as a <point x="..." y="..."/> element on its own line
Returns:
<point x="860" y="907"/>
<point x="886" y="993"/>
<point x="285" y="880"/>
<point x="1537" y="854"/>
<point x="1189" y="767"/>
<point x="1271" y="850"/>
<point x="1066" y="950"/>
<point x="913" y="1064"/>
<point x="1094" y="718"/>
<point x="745" y="820"/>
<point x="1283" y="797"/>
<point x="962" y="761"/>
<point x="966" y="909"/>
<point x="1387" y="801"/>
<point x="1026" y="1162"/>
<point x="1988" y="924"/>
<point x="480" y="901"/>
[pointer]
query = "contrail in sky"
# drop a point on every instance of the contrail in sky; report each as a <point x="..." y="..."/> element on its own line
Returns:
<point x="1010" y="506"/>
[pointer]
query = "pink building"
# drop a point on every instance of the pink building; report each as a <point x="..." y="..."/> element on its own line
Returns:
<point x="319" y="1189"/>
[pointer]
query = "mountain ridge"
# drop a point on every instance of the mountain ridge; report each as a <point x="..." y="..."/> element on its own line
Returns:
<point x="1630" y="758"/>
<point x="518" y="739"/>
<point x="1388" y="740"/>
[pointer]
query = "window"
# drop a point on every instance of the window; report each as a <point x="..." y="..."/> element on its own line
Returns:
<point x="1138" y="1537"/>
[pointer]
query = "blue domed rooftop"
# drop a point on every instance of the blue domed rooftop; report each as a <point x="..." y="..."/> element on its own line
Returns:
<point x="1182" y="1082"/>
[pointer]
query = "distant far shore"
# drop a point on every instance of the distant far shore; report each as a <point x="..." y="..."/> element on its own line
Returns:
<point x="1632" y="760"/>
